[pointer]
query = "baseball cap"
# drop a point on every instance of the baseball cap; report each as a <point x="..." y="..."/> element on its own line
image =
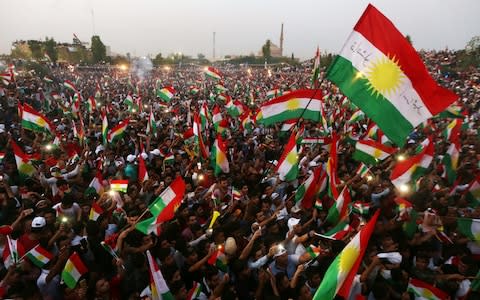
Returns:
<point x="38" y="222"/>
<point x="155" y="152"/>
<point x="279" y="251"/>
<point x="130" y="158"/>
<point x="292" y="222"/>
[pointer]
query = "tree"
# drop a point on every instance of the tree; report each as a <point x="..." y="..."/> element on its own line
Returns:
<point x="409" y="39"/>
<point x="200" y="56"/>
<point x="36" y="48"/>
<point x="51" y="49"/>
<point x="158" y="60"/>
<point x="99" y="51"/>
<point x="266" y="50"/>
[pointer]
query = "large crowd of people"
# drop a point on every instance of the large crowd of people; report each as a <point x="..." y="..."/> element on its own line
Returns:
<point x="262" y="234"/>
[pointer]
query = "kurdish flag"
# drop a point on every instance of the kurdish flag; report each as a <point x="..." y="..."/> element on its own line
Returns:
<point x="316" y="70"/>
<point x="371" y="152"/>
<point x="308" y="190"/>
<point x="97" y="183"/>
<point x="287" y="166"/>
<point x="91" y="104"/>
<point x="69" y="85"/>
<point x="338" y="232"/>
<point x="200" y="148"/>
<point x="158" y="286"/>
<point x="195" y="291"/>
<point x="300" y="103"/>
<point x="74" y="269"/>
<point x="119" y="185"/>
<point x="166" y="94"/>
<point x="12" y="252"/>
<point x="362" y="170"/>
<point x="35" y="121"/>
<point x="450" y="159"/>
<point x="104" y="127"/>
<point x="473" y="192"/>
<point x="339" y="210"/>
<point x="23" y="160"/>
<point x="39" y="256"/>
<point x="213" y="73"/>
<point x="274" y="93"/>
<point x="404" y="170"/>
<point x="2" y="156"/>
<point x="381" y="73"/>
<point x="117" y="132"/>
<point x="219" y="260"/>
<point x="425" y="291"/>
<point x="469" y="227"/>
<point x="151" y="124"/>
<point x="339" y="276"/>
<point x="219" y="156"/>
<point x="313" y="251"/>
<point x="95" y="211"/>
<point x="164" y="207"/>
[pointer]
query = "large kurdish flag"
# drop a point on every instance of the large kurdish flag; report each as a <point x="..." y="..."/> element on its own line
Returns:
<point x="116" y="133"/>
<point x="301" y="103"/>
<point x="158" y="285"/>
<point x="380" y="72"/>
<point x="339" y="276"/>
<point x="219" y="156"/>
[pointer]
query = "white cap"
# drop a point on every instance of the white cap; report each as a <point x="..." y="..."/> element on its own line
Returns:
<point x="99" y="149"/>
<point x="292" y="222"/>
<point x="392" y="257"/>
<point x="38" y="222"/>
<point x="131" y="158"/>
<point x="155" y="152"/>
<point x="279" y="251"/>
<point x="144" y="155"/>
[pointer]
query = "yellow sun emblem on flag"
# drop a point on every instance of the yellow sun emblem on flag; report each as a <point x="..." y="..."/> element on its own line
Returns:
<point x="293" y="104"/>
<point x="384" y="76"/>
<point x="347" y="259"/>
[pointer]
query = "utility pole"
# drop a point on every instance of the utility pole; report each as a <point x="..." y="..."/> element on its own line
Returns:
<point x="214" y="46"/>
<point x="93" y="23"/>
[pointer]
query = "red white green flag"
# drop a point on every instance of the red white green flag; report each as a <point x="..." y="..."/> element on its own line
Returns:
<point x="74" y="269"/>
<point x="381" y="73"/>
<point x="218" y="259"/>
<point x="316" y="70"/>
<point x="91" y="104"/>
<point x="12" y="252"/>
<point x="300" y="103"/>
<point x="339" y="210"/>
<point x="95" y="211"/>
<point x="287" y="167"/>
<point x="308" y="190"/>
<point x="338" y="232"/>
<point x="39" y="256"/>
<point x="473" y="191"/>
<point x="423" y="290"/>
<point x="104" y="127"/>
<point x="339" y="276"/>
<point x="23" y="160"/>
<point x="164" y="207"/>
<point x="371" y="152"/>
<point x="450" y="159"/>
<point x="70" y="85"/>
<point x="201" y="150"/>
<point x="219" y="157"/>
<point x="119" y="185"/>
<point x="116" y="133"/>
<point x="35" y="121"/>
<point x="167" y="93"/>
<point x="213" y="73"/>
<point x="158" y="285"/>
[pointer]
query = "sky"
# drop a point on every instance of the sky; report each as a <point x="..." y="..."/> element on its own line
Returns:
<point x="149" y="27"/>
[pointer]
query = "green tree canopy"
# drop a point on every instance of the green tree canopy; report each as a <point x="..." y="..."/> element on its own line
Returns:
<point x="51" y="49"/>
<point x="99" y="51"/>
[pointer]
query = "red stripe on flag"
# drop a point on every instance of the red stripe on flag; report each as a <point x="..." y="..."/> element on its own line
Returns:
<point x="392" y="43"/>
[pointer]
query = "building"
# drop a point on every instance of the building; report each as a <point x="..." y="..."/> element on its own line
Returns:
<point x="275" y="51"/>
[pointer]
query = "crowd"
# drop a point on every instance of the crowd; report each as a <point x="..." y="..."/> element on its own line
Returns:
<point x="262" y="239"/>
